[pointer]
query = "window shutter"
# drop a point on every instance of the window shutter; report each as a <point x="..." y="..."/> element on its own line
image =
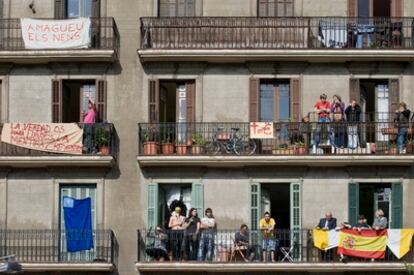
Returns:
<point x="153" y="101"/>
<point x="397" y="8"/>
<point x="396" y="205"/>
<point x="353" y="202"/>
<point x="152" y="205"/>
<point x="352" y="8"/>
<point x="101" y="98"/>
<point x="255" y="206"/>
<point x="262" y="8"/>
<point x="394" y="94"/>
<point x="96" y="8"/>
<point x="167" y="8"/>
<point x="295" y="99"/>
<point x="254" y="100"/>
<point x="190" y="8"/>
<point x="197" y="197"/>
<point x="56" y="101"/>
<point x="354" y="90"/>
<point x="296" y="217"/>
<point x="190" y="101"/>
<point x="60" y="9"/>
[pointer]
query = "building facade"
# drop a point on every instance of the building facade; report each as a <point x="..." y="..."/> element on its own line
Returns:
<point x="177" y="85"/>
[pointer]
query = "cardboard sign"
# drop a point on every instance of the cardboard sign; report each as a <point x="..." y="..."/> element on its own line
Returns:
<point x="56" y="34"/>
<point x="261" y="130"/>
<point x="50" y="137"/>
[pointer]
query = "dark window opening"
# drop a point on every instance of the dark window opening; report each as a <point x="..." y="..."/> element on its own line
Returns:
<point x="382" y="8"/>
<point x="276" y="200"/>
<point x="75" y="97"/>
<point x="373" y="197"/>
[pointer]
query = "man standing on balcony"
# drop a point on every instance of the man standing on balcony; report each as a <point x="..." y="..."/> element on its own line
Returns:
<point x="208" y="232"/>
<point x="322" y="109"/>
<point x="327" y="223"/>
<point x="267" y="226"/>
<point x="89" y="120"/>
<point x="353" y="115"/>
<point x="402" y="118"/>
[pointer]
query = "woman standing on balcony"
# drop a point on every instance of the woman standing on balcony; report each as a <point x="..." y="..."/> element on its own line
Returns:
<point x="353" y="117"/>
<point x="402" y="117"/>
<point x="89" y="120"/>
<point x="192" y="227"/>
<point x="337" y="111"/>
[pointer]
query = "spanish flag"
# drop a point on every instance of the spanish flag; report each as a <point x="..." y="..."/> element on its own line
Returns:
<point x="369" y="244"/>
<point x="399" y="241"/>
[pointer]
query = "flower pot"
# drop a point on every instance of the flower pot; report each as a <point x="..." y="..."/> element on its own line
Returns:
<point x="104" y="150"/>
<point x="150" y="148"/>
<point x="373" y="148"/>
<point x="390" y="131"/>
<point x="181" y="149"/>
<point x="409" y="148"/>
<point x="279" y="151"/>
<point x="392" y="151"/>
<point x="301" y="150"/>
<point x="197" y="150"/>
<point x="167" y="148"/>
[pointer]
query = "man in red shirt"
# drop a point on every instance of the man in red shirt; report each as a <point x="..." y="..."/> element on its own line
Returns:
<point x="322" y="108"/>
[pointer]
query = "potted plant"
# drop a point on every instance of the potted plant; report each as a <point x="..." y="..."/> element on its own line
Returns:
<point x="150" y="143"/>
<point x="392" y="148"/>
<point x="282" y="149"/>
<point x="102" y="139"/>
<point x="181" y="149"/>
<point x="300" y="148"/>
<point x="409" y="146"/>
<point x="167" y="147"/>
<point x="198" y="144"/>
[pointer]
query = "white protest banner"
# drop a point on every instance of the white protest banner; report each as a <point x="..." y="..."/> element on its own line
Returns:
<point x="50" y="137"/>
<point x="56" y="34"/>
<point x="261" y="130"/>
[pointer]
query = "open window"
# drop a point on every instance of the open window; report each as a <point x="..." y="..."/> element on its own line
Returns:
<point x="271" y="8"/>
<point x="70" y="99"/>
<point x="375" y="8"/>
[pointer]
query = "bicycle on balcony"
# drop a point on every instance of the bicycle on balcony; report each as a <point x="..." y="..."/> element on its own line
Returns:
<point x="232" y="143"/>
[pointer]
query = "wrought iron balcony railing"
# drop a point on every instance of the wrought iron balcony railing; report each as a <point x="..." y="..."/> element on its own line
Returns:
<point x="282" y="139"/>
<point x="276" y="33"/>
<point x="104" y="35"/>
<point x="49" y="246"/>
<point x="294" y="246"/>
<point x="98" y="139"/>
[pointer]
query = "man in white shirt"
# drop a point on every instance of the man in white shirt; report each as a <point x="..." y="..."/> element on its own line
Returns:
<point x="207" y="228"/>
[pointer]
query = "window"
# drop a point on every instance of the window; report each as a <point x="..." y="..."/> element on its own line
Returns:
<point x="172" y="8"/>
<point x="274" y="101"/>
<point x="77" y="192"/>
<point x="77" y="8"/>
<point x="70" y="99"/>
<point x="275" y="8"/>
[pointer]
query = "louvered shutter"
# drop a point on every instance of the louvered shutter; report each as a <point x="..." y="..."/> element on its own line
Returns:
<point x="56" y="101"/>
<point x="254" y="106"/>
<point x="354" y="90"/>
<point x="396" y="205"/>
<point x="197" y="197"/>
<point x="397" y="8"/>
<point x="101" y="98"/>
<point x="152" y="205"/>
<point x="352" y="8"/>
<point x="295" y="99"/>
<point x="60" y="9"/>
<point x="167" y="8"/>
<point x="153" y="101"/>
<point x="394" y="94"/>
<point x="353" y="202"/>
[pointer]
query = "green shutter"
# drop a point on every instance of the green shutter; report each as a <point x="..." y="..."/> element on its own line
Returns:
<point x="152" y="207"/>
<point x="396" y="205"/>
<point x="296" y="219"/>
<point x="353" y="202"/>
<point x="254" y="206"/>
<point x="197" y="197"/>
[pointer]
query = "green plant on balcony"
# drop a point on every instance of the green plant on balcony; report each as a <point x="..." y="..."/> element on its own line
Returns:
<point x="150" y="144"/>
<point x="392" y="148"/>
<point x="102" y="139"/>
<point x="300" y="147"/>
<point x="199" y="142"/>
<point x="409" y="268"/>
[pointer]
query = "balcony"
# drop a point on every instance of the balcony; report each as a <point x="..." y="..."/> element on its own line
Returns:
<point x="312" y="39"/>
<point x="102" y="151"/>
<point x="45" y="250"/>
<point x="295" y="253"/>
<point x="104" y="45"/>
<point x="286" y="143"/>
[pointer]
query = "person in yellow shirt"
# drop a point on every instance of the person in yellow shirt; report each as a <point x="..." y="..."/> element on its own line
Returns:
<point x="267" y="226"/>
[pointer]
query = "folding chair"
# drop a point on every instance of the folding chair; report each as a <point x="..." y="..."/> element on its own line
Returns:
<point x="288" y="252"/>
<point x="239" y="250"/>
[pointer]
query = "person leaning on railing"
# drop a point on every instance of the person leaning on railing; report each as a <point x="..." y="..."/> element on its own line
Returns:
<point x="380" y="222"/>
<point x="158" y="251"/>
<point x="327" y="223"/>
<point x="267" y="226"/>
<point x="176" y="232"/>
<point x="402" y="118"/>
<point x="89" y="120"/>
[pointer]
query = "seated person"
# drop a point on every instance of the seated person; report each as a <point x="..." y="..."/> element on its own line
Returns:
<point x="380" y="222"/>
<point x="361" y="224"/>
<point x="242" y="241"/>
<point x="158" y="251"/>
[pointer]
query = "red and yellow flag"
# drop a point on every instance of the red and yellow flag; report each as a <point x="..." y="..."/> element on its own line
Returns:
<point x="364" y="244"/>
